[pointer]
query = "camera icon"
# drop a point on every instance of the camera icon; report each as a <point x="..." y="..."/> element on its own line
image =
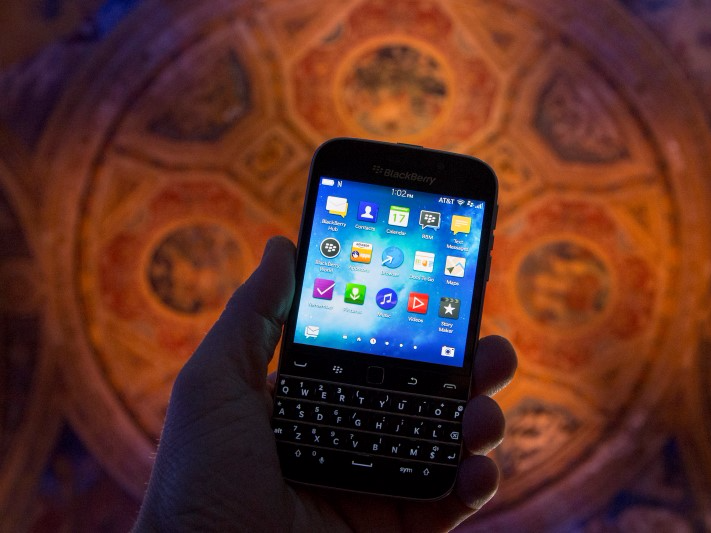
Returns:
<point x="447" y="351"/>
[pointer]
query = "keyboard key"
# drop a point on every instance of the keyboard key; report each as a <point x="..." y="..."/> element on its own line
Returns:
<point x="382" y="400"/>
<point x="362" y="397"/>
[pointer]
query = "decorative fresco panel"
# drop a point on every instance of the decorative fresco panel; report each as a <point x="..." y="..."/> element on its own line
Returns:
<point x="180" y="144"/>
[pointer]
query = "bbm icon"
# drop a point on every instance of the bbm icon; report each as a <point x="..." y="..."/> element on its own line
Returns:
<point x="429" y="219"/>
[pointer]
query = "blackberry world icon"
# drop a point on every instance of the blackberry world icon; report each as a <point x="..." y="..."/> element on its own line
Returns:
<point x="330" y="247"/>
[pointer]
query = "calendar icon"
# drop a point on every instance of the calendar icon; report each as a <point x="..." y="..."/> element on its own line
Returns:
<point x="399" y="216"/>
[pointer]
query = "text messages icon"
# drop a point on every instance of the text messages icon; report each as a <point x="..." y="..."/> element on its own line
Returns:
<point x="429" y="219"/>
<point x="311" y="332"/>
<point x="461" y="224"/>
<point x="337" y="206"/>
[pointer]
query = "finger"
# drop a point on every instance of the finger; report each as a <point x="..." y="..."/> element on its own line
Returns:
<point x="271" y="382"/>
<point x="494" y="365"/>
<point x="477" y="481"/>
<point x="250" y="325"/>
<point x="483" y="425"/>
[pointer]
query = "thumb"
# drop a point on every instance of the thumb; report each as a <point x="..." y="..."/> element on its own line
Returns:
<point x="244" y="337"/>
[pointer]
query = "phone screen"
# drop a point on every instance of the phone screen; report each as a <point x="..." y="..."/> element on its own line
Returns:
<point x="390" y="272"/>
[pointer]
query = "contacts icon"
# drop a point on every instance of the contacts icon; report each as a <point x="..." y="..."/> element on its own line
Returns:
<point x="368" y="212"/>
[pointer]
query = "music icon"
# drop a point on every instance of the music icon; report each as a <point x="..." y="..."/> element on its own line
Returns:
<point x="386" y="298"/>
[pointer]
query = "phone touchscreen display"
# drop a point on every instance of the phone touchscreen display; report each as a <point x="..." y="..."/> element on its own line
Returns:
<point x="390" y="272"/>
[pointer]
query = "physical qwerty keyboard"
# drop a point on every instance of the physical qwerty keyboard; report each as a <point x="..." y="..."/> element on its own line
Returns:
<point x="366" y="431"/>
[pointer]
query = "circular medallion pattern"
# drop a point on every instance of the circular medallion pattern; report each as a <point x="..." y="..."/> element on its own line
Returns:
<point x="403" y="72"/>
<point x="395" y="90"/>
<point x="563" y="284"/>
<point x="195" y="268"/>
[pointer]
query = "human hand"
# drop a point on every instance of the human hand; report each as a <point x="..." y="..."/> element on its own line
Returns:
<point x="217" y="468"/>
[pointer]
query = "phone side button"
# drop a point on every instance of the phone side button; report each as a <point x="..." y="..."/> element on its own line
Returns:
<point x="410" y="145"/>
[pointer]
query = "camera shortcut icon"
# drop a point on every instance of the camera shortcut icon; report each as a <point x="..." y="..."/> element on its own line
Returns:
<point x="447" y="351"/>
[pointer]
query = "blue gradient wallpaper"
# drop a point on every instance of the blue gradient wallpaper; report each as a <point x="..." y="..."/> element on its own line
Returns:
<point x="390" y="272"/>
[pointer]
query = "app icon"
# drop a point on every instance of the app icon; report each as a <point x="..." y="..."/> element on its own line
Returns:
<point x="449" y="307"/>
<point x="323" y="288"/>
<point x="429" y="219"/>
<point x="417" y="302"/>
<point x="424" y="261"/>
<point x="386" y="299"/>
<point x="337" y="206"/>
<point x="399" y="216"/>
<point x="454" y="266"/>
<point x="461" y="224"/>
<point x="392" y="257"/>
<point x="311" y="331"/>
<point x="368" y="212"/>
<point x="361" y="252"/>
<point x="447" y="351"/>
<point x="330" y="247"/>
<point x="355" y="294"/>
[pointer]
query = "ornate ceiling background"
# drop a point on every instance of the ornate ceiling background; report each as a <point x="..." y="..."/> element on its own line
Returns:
<point x="144" y="164"/>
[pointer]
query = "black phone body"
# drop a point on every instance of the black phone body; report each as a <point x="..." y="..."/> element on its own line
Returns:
<point x="376" y="360"/>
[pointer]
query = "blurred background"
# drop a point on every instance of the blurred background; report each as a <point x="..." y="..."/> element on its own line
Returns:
<point x="148" y="149"/>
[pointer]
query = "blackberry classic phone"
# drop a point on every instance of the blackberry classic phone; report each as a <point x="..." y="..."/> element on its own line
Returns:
<point x="375" y="366"/>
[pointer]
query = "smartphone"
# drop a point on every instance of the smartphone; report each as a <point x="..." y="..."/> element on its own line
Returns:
<point x="375" y="366"/>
